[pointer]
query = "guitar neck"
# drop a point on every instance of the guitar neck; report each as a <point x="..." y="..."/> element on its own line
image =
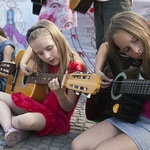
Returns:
<point x="75" y="81"/>
<point x="79" y="82"/>
<point x="43" y="78"/>
<point x="129" y="86"/>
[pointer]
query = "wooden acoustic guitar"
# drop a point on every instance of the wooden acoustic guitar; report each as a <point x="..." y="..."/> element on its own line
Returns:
<point x="81" y="6"/>
<point x="34" y="85"/>
<point x="123" y="99"/>
<point x="7" y="68"/>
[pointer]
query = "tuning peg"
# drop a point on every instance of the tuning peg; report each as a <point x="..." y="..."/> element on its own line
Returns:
<point x="87" y="95"/>
<point x="77" y="93"/>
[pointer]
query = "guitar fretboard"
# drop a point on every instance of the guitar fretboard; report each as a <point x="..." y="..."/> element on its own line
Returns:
<point x="43" y="78"/>
<point x="130" y="86"/>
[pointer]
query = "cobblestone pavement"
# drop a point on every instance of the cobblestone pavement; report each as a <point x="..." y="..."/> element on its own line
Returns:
<point x="79" y="123"/>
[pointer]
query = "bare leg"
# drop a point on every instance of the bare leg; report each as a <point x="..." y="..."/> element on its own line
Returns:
<point x="103" y="136"/>
<point x="5" y="116"/>
<point x="23" y="120"/>
<point x="6" y="98"/>
<point x="92" y="137"/>
<point x="29" y="121"/>
<point x="119" y="142"/>
<point x="6" y="108"/>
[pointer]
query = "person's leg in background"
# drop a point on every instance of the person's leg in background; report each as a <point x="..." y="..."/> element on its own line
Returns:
<point x="103" y="11"/>
<point x="99" y="23"/>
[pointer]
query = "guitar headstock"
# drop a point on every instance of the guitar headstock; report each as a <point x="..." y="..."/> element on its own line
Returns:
<point x="82" y="82"/>
<point x="7" y="68"/>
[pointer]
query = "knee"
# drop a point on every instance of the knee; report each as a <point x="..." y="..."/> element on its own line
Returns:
<point x="72" y="147"/>
<point x="24" y="123"/>
<point x="75" y="145"/>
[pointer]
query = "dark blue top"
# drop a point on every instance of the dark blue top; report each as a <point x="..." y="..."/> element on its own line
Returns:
<point x="3" y="45"/>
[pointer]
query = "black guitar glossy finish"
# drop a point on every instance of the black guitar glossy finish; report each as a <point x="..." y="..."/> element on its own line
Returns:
<point x="126" y="107"/>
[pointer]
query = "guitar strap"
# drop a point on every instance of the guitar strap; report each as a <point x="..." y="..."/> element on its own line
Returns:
<point x="144" y="75"/>
<point x="116" y="68"/>
<point x="124" y="64"/>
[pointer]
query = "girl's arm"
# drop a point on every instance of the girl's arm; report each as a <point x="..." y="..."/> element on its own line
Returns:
<point x="7" y="53"/>
<point x="66" y="100"/>
<point x="24" y="63"/>
<point x="99" y="64"/>
<point x="101" y="57"/>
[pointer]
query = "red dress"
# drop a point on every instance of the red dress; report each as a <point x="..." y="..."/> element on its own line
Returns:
<point x="57" y="120"/>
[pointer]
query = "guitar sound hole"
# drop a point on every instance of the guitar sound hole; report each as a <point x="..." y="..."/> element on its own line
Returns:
<point x="117" y="86"/>
<point x="24" y="80"/>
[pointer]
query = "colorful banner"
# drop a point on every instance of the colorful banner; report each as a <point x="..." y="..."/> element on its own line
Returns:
<point x="142" y="7"/>
<point x="16" y="18"/>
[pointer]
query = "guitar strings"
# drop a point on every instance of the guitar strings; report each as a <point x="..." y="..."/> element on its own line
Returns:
<point x="132" y="86"/>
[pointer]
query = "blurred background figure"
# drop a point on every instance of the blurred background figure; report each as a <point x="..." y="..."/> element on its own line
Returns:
<point x="59" y="13"/>
<point x="103" y="11"/>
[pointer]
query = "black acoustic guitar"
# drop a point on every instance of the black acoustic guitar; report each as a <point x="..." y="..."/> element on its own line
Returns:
<point x="123" y="99"/>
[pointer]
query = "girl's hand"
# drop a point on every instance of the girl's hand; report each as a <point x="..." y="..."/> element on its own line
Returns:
<point x="27" y="70"/>
<point x="105" y="81"/>
<point x="55" y="86"/>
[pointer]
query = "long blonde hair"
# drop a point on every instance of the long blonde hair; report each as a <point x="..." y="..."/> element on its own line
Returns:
<point x="67" y="55"/>
<point x="136" y="25"/>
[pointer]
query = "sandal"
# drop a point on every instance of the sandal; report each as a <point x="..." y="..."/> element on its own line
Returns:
<point x="13" y="136"/>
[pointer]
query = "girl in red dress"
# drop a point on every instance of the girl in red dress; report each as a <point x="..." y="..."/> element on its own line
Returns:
<point x="19" y="113"/>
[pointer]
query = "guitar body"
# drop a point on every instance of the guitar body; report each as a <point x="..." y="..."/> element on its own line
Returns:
<point x="101" y="106"/>
<point x="35" y="91"/>
<point x="81" y="6"/>
<point x="96" y="106"/>
<point x="123" y="99"/>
